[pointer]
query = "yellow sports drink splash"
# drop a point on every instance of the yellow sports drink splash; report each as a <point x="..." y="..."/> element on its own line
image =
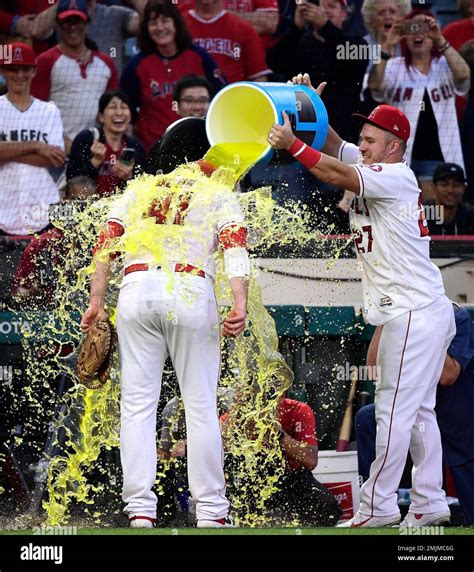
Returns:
<point x="256" y="370"/>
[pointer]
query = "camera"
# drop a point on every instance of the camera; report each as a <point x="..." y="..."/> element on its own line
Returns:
<point x="127" y="156"/>
<point x="413" y="27"/>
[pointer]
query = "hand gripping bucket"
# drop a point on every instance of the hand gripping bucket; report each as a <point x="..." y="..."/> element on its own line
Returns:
<point x="242" y="114"/>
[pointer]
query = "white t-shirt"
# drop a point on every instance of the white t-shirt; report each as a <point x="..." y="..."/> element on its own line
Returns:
<point x="405" y="89"/>
<point x="201" y="223"/>
<point x="27" y="191"/>
<point x="392" y="240"/>
<point x="74" y="87"/>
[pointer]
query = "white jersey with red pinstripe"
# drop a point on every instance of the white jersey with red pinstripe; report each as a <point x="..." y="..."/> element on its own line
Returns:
<point x="157" y="318"/>
<point x="403" y="292"/>
<point x="391" y="239"/>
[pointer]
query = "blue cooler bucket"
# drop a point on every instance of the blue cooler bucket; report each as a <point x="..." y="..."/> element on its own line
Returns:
<point x="244" y="112"/>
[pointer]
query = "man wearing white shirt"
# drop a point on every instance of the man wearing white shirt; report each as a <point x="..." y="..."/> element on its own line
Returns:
<point x="403" y="296"/>
<point x="31" y="141"/>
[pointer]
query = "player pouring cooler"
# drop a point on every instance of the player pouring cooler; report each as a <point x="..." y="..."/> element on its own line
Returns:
<point x="403" y="296"/>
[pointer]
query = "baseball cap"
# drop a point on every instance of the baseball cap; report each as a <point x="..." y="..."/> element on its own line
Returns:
<point x="389" y="119"/>
<point x="17" y="54"/>
<point x="446" y="170"/>
<point x="68" y="8"/>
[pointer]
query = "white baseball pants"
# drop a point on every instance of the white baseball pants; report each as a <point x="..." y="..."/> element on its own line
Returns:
<point x="155" y="321"/>
<point x="411" y="356"/>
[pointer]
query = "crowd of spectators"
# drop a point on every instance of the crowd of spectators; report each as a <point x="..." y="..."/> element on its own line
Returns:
<point x="113" y="75"/>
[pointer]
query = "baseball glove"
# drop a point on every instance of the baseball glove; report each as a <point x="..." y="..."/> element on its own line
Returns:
<point x="95" y="355"/>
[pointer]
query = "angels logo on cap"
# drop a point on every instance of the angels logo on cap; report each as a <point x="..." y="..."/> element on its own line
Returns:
<point x="68" y="8"/>
<point x="17" y="54"/>
<point x="389" y="119"/>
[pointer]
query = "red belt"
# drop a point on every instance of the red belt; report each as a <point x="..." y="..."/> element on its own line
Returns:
<point x="189" y="268"/>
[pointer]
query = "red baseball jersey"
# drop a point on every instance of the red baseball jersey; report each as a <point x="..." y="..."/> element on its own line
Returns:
<point x="107" y="181"/>
<point x="232" y="42"/>
<point x="149" y="80"/>
<point x="298" y="421"/>
<point x="33" y="272"/>
<point x="246" y="6"/>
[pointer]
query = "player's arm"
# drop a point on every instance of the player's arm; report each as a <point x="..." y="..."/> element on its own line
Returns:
<point x="100" y="278"/>
<point x="234" y="323"/>
<point x="299" y="451"/>
<point x="96" y="309"/>
<point x="304" y="450"/>
<point x="322" y="166"/>
<point x="371" y="359"/>
<point x="233" y="241"/>
<point x="451" y="371"/>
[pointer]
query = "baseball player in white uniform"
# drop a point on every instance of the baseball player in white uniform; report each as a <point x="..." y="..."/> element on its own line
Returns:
<point x="168" y="307"/>
<point x="404" y="295"/>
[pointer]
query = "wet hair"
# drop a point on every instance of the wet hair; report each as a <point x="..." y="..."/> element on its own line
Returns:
<point x="166" y="8"/>
<point x="191" y="81"/>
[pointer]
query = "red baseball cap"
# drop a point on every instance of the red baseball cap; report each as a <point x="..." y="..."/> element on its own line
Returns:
<point x="68" y="8"/>
<point x="389" y="119"/>
<point x="17" y="54"/>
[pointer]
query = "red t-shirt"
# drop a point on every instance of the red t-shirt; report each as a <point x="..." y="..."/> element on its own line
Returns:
<point x="232" y="42"/>
<point x="460" y="32"/>
<point x="149" y="80"/>
<point x="33" y="270"/>
<point x="298" y="421"/>
<point x="107" y="181"/>
<point x="245" y="7"/>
